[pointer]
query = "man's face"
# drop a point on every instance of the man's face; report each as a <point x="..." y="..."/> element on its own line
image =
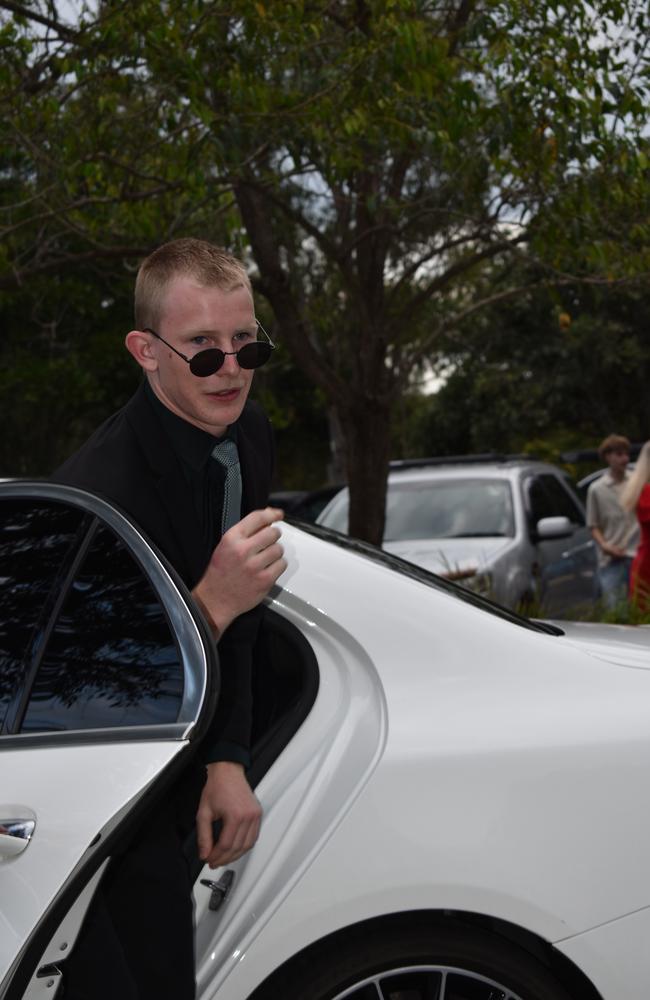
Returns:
<point x="617" y="460"/>
<point x="194" y="318"/>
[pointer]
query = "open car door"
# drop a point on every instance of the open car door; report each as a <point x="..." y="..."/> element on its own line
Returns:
<point x="107" y="676"/>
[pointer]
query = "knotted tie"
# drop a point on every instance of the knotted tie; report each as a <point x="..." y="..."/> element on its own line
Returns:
<point x="227" y="455"/>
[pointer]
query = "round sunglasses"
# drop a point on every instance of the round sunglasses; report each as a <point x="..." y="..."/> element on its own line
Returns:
<point x="207" y="362"/>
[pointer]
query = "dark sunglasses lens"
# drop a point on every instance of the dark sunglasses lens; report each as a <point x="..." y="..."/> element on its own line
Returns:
<point x="207" y="362"/>
<point x="254" y="355"/>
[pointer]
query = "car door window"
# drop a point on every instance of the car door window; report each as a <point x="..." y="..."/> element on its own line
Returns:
<point x="541" y="504"/>
<point x="37" y="541"/>
<point x="562" y="501"/>
<point x="95" y="649"/>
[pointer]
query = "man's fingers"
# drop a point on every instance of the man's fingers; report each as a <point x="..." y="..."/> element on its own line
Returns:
<point x="234" y="841"/>
<point x="268" y="555"/>
<point x="259" y="519"/>
<point x="204" y="839"/>
<point x="263" y="538"/>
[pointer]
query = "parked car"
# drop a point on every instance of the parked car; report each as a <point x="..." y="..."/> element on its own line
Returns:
<point x="511" y="528"/>
<point x="453" y="795"/>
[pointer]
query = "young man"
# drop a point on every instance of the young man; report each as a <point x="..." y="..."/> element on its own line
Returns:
<point x="186" y="457"/>
<point x="614" y="530"/>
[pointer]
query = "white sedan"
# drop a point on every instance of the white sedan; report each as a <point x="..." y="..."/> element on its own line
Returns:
<point x="455" y="798"/>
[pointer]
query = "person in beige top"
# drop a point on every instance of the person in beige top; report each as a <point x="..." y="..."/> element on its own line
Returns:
<point x="614" y="529"/>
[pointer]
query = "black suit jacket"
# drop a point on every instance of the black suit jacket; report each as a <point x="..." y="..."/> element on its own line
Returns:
<point x="130" y="461"/>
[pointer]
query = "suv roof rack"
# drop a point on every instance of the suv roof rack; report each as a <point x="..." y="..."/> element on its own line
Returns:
<point x="490" y="456"/>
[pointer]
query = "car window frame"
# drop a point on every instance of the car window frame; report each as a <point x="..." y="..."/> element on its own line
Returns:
<point x="573" y="502"/>
<point x="198" y="653"/>
<point x="564" y="483"/>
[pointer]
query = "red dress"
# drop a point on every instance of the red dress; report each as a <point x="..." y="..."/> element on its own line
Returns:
<point x="640" y="573"/>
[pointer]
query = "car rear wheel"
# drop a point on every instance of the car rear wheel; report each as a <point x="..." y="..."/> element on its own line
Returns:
<point x="425" y="963"/>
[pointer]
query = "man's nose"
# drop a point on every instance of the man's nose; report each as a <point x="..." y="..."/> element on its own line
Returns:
<point x="230" y="364"/>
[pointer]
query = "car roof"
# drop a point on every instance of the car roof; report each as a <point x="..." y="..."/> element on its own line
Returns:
<point x="591" y="477"/>
<point x="466" y="467"/>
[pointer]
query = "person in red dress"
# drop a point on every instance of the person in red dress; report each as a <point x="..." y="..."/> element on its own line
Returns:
<point x="636" y="496"/>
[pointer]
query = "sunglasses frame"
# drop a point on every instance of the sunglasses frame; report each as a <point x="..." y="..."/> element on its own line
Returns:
<point x="216" y="350"/>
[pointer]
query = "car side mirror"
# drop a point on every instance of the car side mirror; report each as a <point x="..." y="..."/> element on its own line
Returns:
<point x="553" y="527"/>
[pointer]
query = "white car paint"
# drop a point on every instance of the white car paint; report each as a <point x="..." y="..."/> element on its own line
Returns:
<point x="475" y="782"/>
<point x="615" y="955"/>
<point x="74" y="796"/>
<point x="452" y="761"/>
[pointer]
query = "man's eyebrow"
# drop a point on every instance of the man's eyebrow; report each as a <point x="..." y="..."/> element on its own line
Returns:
<point x="241" y="328"/>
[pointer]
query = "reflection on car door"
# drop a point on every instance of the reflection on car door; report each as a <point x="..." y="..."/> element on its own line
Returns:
<point x="104" y="677"/>
<point x="566" y="565"/>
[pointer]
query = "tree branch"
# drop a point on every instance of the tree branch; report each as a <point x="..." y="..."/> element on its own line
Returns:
<point x="17" y="278"/>
<point x="69" y="34"/>
<point x="456" y="270"/>
<point x="277" y="288"/>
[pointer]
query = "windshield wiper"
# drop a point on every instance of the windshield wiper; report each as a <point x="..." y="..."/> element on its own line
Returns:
<point x="479" y="534"/>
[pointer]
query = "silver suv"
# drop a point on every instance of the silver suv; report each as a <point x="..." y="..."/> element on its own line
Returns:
<point x="510" y="528"/>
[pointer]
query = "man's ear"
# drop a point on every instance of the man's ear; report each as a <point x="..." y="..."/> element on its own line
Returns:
<point x="140" y="345"/>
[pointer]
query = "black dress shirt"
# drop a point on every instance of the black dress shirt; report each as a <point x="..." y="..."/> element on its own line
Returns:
<point x="205" y="479"/>
<point x="205" y="476"/>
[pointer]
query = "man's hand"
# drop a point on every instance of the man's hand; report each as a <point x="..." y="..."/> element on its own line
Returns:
<point x="615" y="551"/>
<point x="242" y="569"/>
<point x="227" y="796"/>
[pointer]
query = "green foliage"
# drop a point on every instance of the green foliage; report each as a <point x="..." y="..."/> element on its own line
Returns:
<point x="298" y="414"/>
<point x="63" y="367"/>
<point x="624" y="613"/>
<point x="389" y="167"/>
<point x="546" y="375"/>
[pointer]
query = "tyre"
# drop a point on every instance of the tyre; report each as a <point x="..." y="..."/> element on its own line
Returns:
<point x="437" y="962"/>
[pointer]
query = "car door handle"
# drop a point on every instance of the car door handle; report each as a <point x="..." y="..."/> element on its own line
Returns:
<point x="583" y="547"/>
<point x="15" y="835"/>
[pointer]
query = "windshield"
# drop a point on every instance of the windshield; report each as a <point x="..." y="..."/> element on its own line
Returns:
<point x="440" y="508"/>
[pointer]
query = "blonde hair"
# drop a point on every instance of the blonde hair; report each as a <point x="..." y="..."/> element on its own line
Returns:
<point x="206" y="263"/>
<point x="638" y="479"/>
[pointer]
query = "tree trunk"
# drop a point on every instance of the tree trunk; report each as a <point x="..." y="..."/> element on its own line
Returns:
<point x="336" y="467"/>
<point x="366" y="427"/>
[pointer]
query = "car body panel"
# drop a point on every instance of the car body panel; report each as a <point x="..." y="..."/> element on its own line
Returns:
<point x="500" y="753"/>
<point x="78" y="794"/>
<point x="456" y="759"/>
<point x="622" y="644"/>
<point x="81" y="785"/>
<point x="306" y="793"/>
<point x="615" y="956"/>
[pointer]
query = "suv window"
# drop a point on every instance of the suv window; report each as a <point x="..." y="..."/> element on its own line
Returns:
<point x="87" y="641"/>
<point x="550" y="498"/>
<point x="539" y="501"/>
<point x="562" y="499"/>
